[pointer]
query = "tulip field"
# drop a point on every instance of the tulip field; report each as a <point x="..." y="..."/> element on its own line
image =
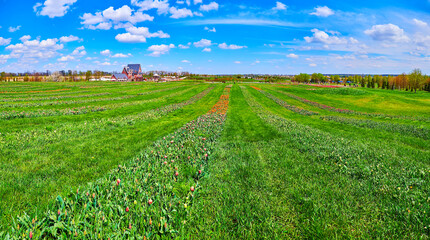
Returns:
<point x="199" y="160"/>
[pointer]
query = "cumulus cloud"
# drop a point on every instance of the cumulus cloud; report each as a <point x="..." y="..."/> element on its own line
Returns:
<point x="4" y="41"/>
<point x="4" y="58"/>
<point x="106" y="52"/>
<point x="207" y="50"/>
<point x="203" y="43"/>
<point x="31" y="50"/>
<point x="230" y="47"/>
<point x="53" y="8"/>
<point x="79" y="51"/>
<point x="70" y="38"/>
<point x="209" y="7"/>
<point x="14" y="29"/>
<point x="139" y="35"/>
<point x="185" y="61"/>
<point x="181" y="46"/>
<point x="66" y="58"/>
<point x="161" y="6"/>
<point x="121" y="55"/>
<point x="387" y="32"/>
<point x="121" y="17"/>
<point x="280" y="6"/>
<point x="158" y="50"/>
<point x="292" y="55"/>
<point x="210" y="29"/>
<point x="322" y="37"/>
<point x="180" y="13"/>
<point x="322" y="11"/>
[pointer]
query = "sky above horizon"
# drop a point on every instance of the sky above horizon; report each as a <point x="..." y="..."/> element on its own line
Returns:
<point x="216" y="36"/>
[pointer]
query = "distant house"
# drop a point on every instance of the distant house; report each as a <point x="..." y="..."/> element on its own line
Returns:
<point x="133" y="72"/>
<point x="119" y="77"/>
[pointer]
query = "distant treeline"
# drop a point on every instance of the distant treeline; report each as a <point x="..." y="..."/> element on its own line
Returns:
<point x="413" y="81"/>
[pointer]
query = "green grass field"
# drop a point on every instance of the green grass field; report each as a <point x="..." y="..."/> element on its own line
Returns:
<point x="194" y="160"/>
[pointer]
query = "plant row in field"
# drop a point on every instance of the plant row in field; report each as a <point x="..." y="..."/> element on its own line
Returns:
<point x="348" y="111"/>
<point x="41" y="137"/>
<point x="396" y="181"/>
<point x="40" y="91"/>
<point x="24" y="96"/>
<point x="286" y="105"/>
<point x="53" y="98"/>
<point x="48" y="112"/>
<point x="408" y="130"/>
<point x="150" y="197"/>
<point x="7" y="115"/>
<point x="56" y="103"/>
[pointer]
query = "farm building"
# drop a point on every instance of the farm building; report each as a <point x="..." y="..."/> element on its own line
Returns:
<point x="119" y="77"/>
<point x="133" y="72"/>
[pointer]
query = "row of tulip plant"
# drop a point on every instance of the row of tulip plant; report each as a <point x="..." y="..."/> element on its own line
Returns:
<point x="150" y="197"/>
<point x="348" y="111"/>
<point x="396" y="181"/>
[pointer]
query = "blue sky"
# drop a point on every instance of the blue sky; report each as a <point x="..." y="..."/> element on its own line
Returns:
<point x="214" y="36"/>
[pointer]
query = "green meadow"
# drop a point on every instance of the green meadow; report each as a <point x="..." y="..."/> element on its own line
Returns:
<point x="196" y="160"/>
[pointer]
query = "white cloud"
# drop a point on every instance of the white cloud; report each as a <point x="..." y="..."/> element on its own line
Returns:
<point x="230" y="47"/>
<point x="312" y="65"/>
<point x="203" y="43"/>
<point x="387" y="32"/>
<point x="4" y="58"/>
<point x="237" y="62"/>
<point x="161" y="6"/>
<point x="53" y="8"/>
<point x="66" y="58"/>
<point x="106" y="52"/>
<point x="280" y="6"/>
<point x="322" y="11"/>
<point x="419" y="23"/>
<point x="209" y="7"/>
<point x="14" y="29"/>
<point x="122" y="17"/>
<point x="207" y="50"/>
<point x="185" y="61"/>
<point x="292" y="55"/>
<point x="198" y="2"/>
<point x="4" y="41"/>
<point x="101" y="26"/>
<point x="139" y="35"/>
<point x="180" y="13"/>
<point x="31" y="50"/>
<point x="184" y="46"/>
<point x="322" y="37"/>
<point x="70" y="38"/>
<point x="210" y="29"/>
<point x="121" y="55"/>
<point x="79" y="51"/>
<point x="158" y="50"/>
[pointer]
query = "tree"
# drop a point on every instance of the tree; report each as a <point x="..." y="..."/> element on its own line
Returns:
<point x="88" y="75"/>
<point x="56" y="77"/>
<point x="336" y="78"/>
<point x="302" y="77"/>
<point x="416" y="79"/>
<point x="26" y="77"/>
<point x="2" y="76"/>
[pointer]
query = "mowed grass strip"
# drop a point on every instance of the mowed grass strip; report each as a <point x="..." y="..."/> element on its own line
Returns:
<point x="32" y="177"/>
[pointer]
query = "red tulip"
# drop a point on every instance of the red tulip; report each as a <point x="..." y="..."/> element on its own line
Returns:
<point x="192" y="188"/>
<point x="129" y="226"/>
<point x="59" y="212"/>
<point x="176" y="173"/>
<point x="150" y="201"/>
<point x="127" y="209"/>
<point x="118" y="181"/>
<point x="200" y="171"/>
<point x="31" y="234"/>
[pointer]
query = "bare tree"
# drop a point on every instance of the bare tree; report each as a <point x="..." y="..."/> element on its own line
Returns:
<point x="56" y="77"/>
